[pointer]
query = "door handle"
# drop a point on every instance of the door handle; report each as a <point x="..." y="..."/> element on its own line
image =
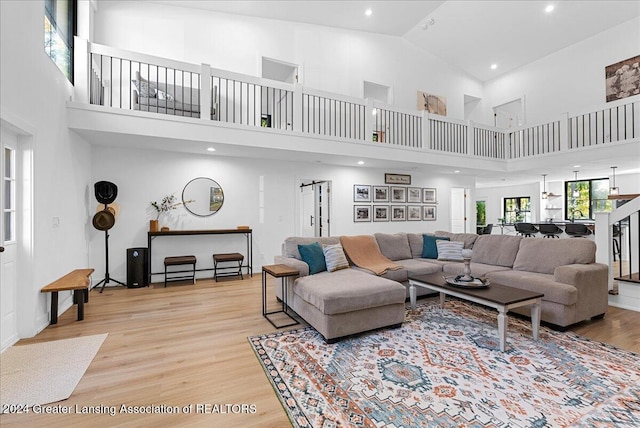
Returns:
<point x="310" y="220"/>
<point x="1" y="249"/>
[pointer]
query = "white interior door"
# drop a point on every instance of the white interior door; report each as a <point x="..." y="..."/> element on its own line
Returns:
<point x="458" y="210"/>
<point x="509" y="115"/>
<point x="315" y="208"/>
<point x="323" y="204"/>
<point x="8" y="239"/>
<point x="307" y="211"/>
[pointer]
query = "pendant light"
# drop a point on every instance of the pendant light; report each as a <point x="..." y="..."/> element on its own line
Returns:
<point x="576" y="191"/>
<point x="613" y="190"/>
<point x="545" y="195"/>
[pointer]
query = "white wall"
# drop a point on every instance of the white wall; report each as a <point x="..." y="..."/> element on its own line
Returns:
<point x="332" y="59"/>
<point x="569" y="80"/>
<point x="145" y="176"/>
<point x="34" y="94"/>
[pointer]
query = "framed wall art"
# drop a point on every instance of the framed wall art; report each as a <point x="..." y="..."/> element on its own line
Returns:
<point x="414" y="195"/>
<point x="622" y="79"/>
<point x="361" y="193"/>
<point x="414" y="212"/>
<point x="429" y="195"/>
<point x="381" y="213"/>
<point x="361" y="213"/>
<point x="429" y="213"/>
<point x="397" y="178"/>
<point x="380" y="193"/>
<point x="398" y="194"/>
<point x="398" y="213"/>
<point x="436" y="104"/>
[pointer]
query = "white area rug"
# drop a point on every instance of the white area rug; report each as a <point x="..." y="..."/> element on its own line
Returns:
<point x="45" y="372"/>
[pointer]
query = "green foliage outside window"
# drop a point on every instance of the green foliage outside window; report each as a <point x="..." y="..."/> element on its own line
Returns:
<point x="481" y="213"/>
<point x="583" y="198"/>
<point x="517" y="210"/>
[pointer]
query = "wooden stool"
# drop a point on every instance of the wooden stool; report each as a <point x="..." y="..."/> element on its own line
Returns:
<point x="228" y="257"/>
<point x="177" y="261"/>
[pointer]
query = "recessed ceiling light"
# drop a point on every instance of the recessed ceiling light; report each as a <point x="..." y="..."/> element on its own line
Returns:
<point x="577" y="166"/>
<point x="549" y="8"/>
<point x="494" y="66"/>
<point x="360" y="162"/>
<point x="368" y="12"/>
<point x="457" y="171"/>
<point x="211" y="149"/>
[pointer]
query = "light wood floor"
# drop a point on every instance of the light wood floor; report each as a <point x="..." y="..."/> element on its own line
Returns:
<point x="187" y="345"/>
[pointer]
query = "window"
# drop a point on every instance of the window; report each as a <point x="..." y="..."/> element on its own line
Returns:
<point x="517" y="210"/>
<point x="583" y="198"/>
<point x="59" y="29"/>
<point x="9" y="188"/>
<point x="481" y="213"/>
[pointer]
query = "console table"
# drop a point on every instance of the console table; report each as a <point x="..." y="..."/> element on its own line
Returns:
<point x="247" y="233"/>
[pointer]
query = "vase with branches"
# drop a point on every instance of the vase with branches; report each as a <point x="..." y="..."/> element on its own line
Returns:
<point x="165" y="205"/>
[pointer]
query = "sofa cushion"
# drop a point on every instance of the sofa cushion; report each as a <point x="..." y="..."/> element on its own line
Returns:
<point x="416" y="243"/>
<point x="469" y="239"/>
<point x="429" y="247"/>
<point x="545" y="255"/>
<point x="334" y="257"/>
<point x="498" y="250"/>
<point x="556" y="292"/>
<point x="418" y="267"/>
<point x="479" y="270"/>
<point x="449" y="250"/>
<point x="143" y="86"/>
<point x="394" y="246"/>
<point x="290" y="245"/>
<point x="348" y="290"/>
<point x="313" y="255"/>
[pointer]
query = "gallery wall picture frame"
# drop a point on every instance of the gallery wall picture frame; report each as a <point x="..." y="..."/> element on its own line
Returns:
<point x="398" y="194"/>
<point x="397" y="179"/>
<point x="361" y="193"/>
<point x="398" y="213"/>
<point x="361" y="213"/>
<point x="414" y="195"/>
<point x="381" y="213"/>
<point x="414" y="212"/>
<point x="380" y="193"/>
<point x="429" y="212"/>
<point x="429" y="195"/>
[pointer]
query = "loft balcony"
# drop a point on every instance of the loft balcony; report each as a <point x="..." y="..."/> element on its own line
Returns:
<point x="165" y="104"/>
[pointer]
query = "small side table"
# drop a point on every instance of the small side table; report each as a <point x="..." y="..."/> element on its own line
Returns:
<point x="286" y="273"/>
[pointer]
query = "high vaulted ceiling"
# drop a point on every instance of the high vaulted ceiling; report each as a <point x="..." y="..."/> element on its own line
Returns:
<point x="471" y="35"/>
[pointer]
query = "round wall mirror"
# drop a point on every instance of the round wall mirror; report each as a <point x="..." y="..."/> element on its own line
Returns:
<point x="202" y="197"/>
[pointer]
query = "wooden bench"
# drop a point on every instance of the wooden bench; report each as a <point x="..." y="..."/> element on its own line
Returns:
<point x="78" y="281"/>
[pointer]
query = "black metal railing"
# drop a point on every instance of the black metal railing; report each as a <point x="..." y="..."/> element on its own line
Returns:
<point x="332" y="117"/>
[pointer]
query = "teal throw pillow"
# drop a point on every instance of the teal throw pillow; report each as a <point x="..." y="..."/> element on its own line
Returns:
<point x="429" y="247"/>
<point x="313" y="255"/>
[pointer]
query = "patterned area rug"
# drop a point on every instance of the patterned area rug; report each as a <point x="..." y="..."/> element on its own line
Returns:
<point x="444" y="368"/>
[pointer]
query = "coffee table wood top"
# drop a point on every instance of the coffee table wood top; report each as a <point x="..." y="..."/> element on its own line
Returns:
<point x="497" y="293"/>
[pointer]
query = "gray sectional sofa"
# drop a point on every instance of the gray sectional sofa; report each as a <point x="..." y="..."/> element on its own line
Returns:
<point x="355" y="300"/>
